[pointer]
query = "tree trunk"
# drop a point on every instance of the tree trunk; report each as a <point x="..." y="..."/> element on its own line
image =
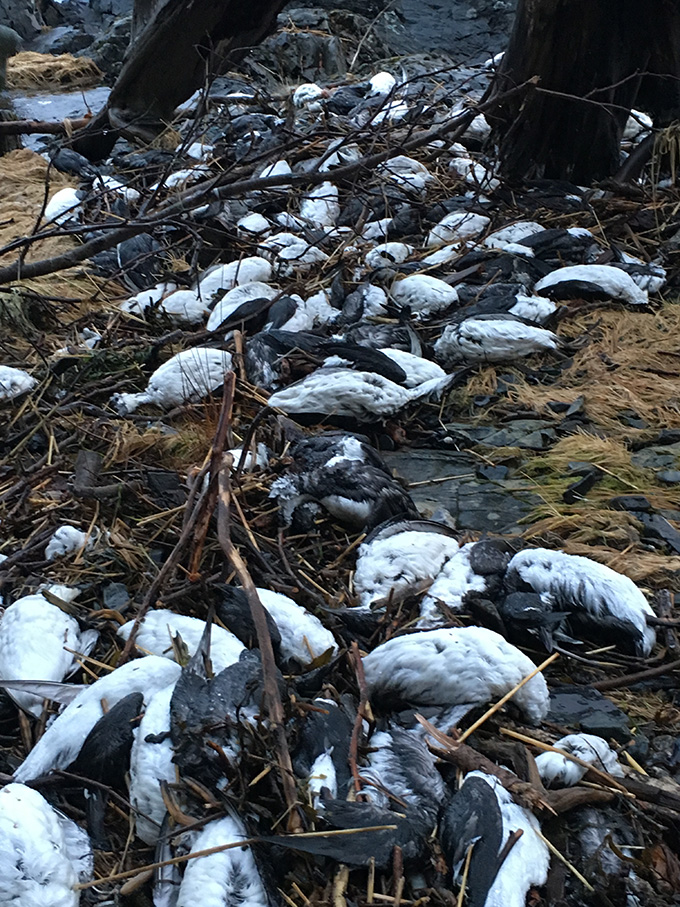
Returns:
<point x="607" y="56"/>
<point x="179" y="45"/>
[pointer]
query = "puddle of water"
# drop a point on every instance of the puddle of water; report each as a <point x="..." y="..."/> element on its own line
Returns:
<point x="55" y="107"/>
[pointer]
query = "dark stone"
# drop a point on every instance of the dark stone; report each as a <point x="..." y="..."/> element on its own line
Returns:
<point x="64" y="39"/>
<point x="639" y="748"/>
<point x="578" y="490"/>
<point x="493" y="473"/>
<point x="587" y="710"/>
<point x="657" y="457"/>
<point x="630" y="502"/>
<point x="116" y="597"/>
<point x="108" y="50"/>
<point x="669" y="476"/>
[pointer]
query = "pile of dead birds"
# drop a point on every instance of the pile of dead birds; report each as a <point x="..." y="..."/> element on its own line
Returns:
<point x="284" y="671"/>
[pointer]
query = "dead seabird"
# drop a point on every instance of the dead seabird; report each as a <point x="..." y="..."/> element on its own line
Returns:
<point x="61" y="742"/>
<point x="453" y="666"/>
<point x="343" y="392"/>
<point x="495" y="338"/>
<point x="43" y="853"/>
<point x="471" y="818"/>
<point x="591" y="282"/>
<point x="558" y="771"/>
<point x="188" y="376"/>
<point x="596" y="593"/>
<point x="35" y="637"/>
<point x="396" y="557"/>
<point x="423" y="295"/>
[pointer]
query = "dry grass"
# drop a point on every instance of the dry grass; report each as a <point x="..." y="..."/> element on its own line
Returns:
<point x="632" y="361"/>
<point x="30" y="71"/>
<point x="22" y="193"/>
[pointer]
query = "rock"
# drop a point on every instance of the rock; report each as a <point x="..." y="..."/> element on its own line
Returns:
<point x="108" y="50"/>
<point x="23" y="16"/>
<point x="587" y="710"/>
<point x="112" y="7"/>
<point x="669" y="476"/>
<point x="64" y="39"/>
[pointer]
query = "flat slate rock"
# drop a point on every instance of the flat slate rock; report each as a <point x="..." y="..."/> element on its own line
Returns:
<point x="587" y="710"/>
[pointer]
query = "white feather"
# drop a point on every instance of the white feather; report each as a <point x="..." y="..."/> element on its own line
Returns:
<point x="34" y="637"/>
<point x="558" y="771"/>
<point x="452" y="666"/>
<point x="389" y="565"/>
<point x="322" y="774"/>
<point x="528" y="861"/>
<point x="184" y="307"/>
<point x="418" y="370"/>
<point x="160" y="626"/>
<point x="38" y="866"/>
<point x="492" y="340"/>
<point x="512" y="234"/>
<point x="150" y="763"/>
<point x="138" y="304"/>
<point x="453" y="582"/>
<point x="303" y="636"/>
<point x="458" y="227"/>
<point x="64" y="207"/>
<point x="423" y="294"/>
<point x="388" y="253"/>
<point x="236" y="273"/>
<point x="229" y="877"/>
<point x="321" y="206"/>
<point x="67" y="540"/>
<point x="14" y="381"/>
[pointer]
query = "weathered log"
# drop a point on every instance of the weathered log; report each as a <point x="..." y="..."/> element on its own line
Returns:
<point x="595" y="59"/>
<point x="179" y="45"/>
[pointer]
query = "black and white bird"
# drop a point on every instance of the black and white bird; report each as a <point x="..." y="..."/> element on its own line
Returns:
<point x="597" y="596"/>
<point x="492" y="338"/>
<point x="63" y="739"/>
<point x="485" y="823"/>
<point x="359" y="395"/>
<point x="322" y="750"/>
<point x="453" y="666"/>
<point x="558" y="771"/>
<point x="475" y="567"/>
<point x="300" y="637"/>
<point x="591" y="282"/>
<point x="43" y="853"/>
<point x="355" y="493"/>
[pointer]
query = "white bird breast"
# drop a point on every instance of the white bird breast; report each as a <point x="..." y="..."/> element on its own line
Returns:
<point x="395" y="563"/>
<point x="454" y="666"/>
<point x="423" y="294"/>
<point x="612" y="281"/>
<point x="14" y="381"/>
<point x="159" y="626"/>
<point x="489" y="340"/>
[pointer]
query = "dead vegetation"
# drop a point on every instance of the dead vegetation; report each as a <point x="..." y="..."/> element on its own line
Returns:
<point x="33" y="72"/>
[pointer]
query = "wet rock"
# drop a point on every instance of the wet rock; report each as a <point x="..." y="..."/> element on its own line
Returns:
<point x="528" y="434"/>
<point x="657" y="457"/>
<point x="23" y="16"/>
<point x="112" y="7"/>
<point x="108" y="50"/>
<point x="587" y="710"/>
<point x="488" y="507"/>
<point x="669" y="476"/>
<point x="301" y="56"/>
<point x="64" y="39"/>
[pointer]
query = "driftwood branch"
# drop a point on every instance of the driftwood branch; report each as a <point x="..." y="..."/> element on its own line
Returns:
<point x="272" y="697"/>
<point x="216" y="187"/>
<point x="42" y="127"/>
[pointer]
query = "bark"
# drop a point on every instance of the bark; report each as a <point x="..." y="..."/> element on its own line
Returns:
<point x="595" y="59"/>
<point x="180" y="43"/>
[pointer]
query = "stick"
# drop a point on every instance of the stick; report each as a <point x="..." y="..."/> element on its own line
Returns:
<point x="361" y="711"/>
<point x="43" y="127"/>
<point x="272" y="698"/>
<point x="246" y="842"/>
<point x="553" y="850"/>
<point x="615" y="682"/>
<point x="501" y="702"/>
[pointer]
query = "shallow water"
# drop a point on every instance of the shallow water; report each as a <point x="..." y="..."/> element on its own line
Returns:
<point x="55" y="107"/>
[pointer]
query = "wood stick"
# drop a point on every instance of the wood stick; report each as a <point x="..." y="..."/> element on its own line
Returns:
<point x="42" y="127"/>
<point x="501" y="702"/>
<point x="272" y="698"/>
<point x="615" y="683"/>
